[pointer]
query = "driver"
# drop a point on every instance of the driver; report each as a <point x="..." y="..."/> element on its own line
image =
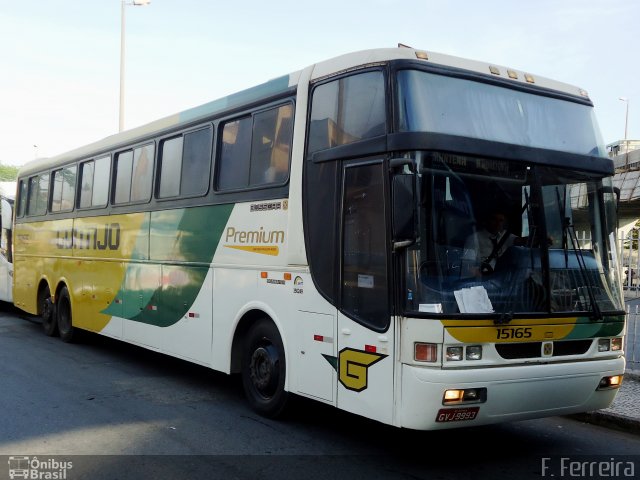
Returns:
<point x="483" y="248"/>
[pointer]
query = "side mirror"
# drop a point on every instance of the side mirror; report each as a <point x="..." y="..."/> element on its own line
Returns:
<point x="403" y="199"/>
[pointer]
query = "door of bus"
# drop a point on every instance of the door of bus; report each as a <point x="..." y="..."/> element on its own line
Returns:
<point x="365" y="327"/>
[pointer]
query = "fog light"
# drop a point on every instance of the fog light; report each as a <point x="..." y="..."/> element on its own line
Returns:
<point x="452" y="396"/>
<point x="603" y="345"/>
<point x="467" y="395"/>
<point x="425" y="352"/>
<point x="454" y="353"/>
<point x="609" y="383"/>
<point x="616" y="344"/>
<point x="474" y="352"/>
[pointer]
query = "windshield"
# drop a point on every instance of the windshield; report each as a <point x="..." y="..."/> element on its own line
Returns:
<point x="442" y="104"/>
<point x="502" y="237"/>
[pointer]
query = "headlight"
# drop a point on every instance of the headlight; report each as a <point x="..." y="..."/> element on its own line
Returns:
<point x="454" y="354"/>
<point x="603" y="345"/>
<point x="474" y="352"/>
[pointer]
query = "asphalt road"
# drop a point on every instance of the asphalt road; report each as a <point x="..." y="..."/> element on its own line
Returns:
<point x="119" y="411"/>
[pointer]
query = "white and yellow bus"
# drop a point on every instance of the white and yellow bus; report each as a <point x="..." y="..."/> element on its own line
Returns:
<point x="312" y="234"/>
<point x="7" y="197"/>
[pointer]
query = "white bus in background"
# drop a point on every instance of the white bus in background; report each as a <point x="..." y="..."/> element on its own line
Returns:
<point x="7" y="196"/>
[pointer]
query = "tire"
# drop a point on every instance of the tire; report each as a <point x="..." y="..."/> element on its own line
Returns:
<point x="264" y="369"/>
<point x="47" y="312"/>
<point x="65" y="319"/>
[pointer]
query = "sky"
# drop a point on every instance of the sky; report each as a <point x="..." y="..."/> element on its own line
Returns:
<point x="60" y="60"/>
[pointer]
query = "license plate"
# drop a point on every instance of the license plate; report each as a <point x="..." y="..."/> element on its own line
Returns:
<point x="457" y="414"/>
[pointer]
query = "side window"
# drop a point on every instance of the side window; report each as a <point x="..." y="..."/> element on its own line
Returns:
<point x="364" y="247"/>
<point x="22" y="198"/>
<point x="94" y="182"/>
<point x="185" y="164"/>
<point x="170" y="167"/>
<point x="32" y="203"/>
<point x="86" y="183"/>
<point x="64" y="184"/>
<point x="134" y="175"/>
<point x="100" y="190"/>
<point x="38" y="194"/>
<point x="142" y="176"/>
<point x="124" y="166"/>
<point x="255" y="150"/>
<point x="196" y="162"/>
<point x="235" y="153"/>
<point x="347" y="110"/>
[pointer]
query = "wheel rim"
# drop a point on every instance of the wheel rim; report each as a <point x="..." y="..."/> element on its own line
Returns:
<point x="263" y="370"/>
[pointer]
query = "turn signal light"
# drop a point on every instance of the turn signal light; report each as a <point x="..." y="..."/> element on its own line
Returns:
<point x="425" y="352"/>
<point x="616" y="344"/>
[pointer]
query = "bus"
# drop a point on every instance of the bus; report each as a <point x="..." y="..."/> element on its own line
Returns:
<point x="309" y="234"/>
<point x="7" y="197"/>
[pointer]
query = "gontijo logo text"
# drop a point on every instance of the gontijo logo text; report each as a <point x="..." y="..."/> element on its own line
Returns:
<point x="264" y="242"/>
<point x="101" y="237"/>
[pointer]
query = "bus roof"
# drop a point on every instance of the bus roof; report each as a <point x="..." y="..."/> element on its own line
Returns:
<point x="282" y="84"/>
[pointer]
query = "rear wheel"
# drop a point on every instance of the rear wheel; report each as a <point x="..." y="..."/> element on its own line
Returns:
<point x="47" y="312"/>
<point x="65" y="319"/>
<point x="264" y="369"/>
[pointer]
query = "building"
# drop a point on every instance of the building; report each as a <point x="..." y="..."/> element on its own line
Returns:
<point x="624" y="154"/>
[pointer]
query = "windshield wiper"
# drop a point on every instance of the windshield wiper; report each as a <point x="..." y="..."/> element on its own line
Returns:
<point x="568" y="229"/>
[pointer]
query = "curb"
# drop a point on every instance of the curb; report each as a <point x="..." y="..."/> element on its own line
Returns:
<point x="632" y="375"/>
<point x="604" y="419"/>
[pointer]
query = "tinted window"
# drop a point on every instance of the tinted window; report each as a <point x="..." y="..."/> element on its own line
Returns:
<point x="124" y="166"/>
<point x="22" y="199"/>
<point x="100" y="193"/>
<point x="196" y="162"/>
<point x="171" y="167"/>
<point x="233" y="165"/>
<point x="347" y="110"/>
<point x="43" y="194"/>
<point x="32" y="205"/>
<point x="64" y="184"/>
<point x="271" y="146"/>
<point x="56" y="196"/>
<point x="256" y="150"/>
<point x="86" y="183"/>
<point x="186" y="164"/>
<point x="142" y="173"/>
<point x="38" y="194"/>
<point x="134" y="175"/>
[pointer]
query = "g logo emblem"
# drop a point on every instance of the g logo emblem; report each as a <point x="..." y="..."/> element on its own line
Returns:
<point x="354" y="366"/>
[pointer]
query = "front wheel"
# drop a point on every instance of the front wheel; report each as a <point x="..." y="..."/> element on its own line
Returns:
<point x="65" y="319"/>
<point x="264" y="369"/>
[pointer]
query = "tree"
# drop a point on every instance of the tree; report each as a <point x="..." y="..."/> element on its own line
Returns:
<point x="8" y="173"/>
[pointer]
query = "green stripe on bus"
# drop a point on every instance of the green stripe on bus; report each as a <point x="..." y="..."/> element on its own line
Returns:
<point x="161" y="295"/>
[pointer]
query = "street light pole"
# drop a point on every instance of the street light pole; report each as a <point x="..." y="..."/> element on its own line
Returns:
<point x="122" y="23"/>
<point x="626" y="123"/>
<point x="136" y="3"/>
